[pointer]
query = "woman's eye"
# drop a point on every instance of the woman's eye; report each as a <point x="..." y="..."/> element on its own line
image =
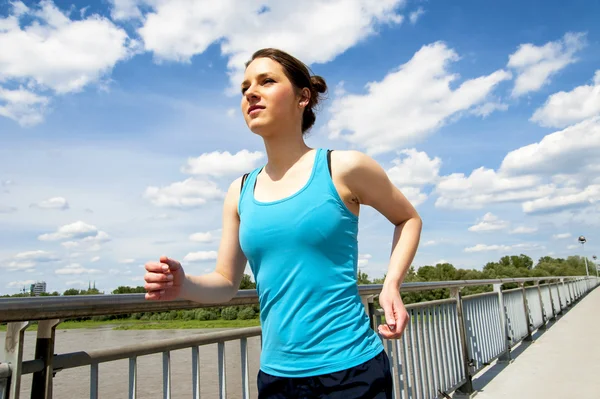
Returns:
<point x="269" y="80"/>
<point x="244" y="89"/>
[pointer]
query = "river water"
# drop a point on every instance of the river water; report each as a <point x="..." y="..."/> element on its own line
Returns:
<point x="114" y="376"/>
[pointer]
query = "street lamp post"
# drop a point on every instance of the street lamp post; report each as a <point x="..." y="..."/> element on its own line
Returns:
<point x="595" y="264"/>
<point x="582" y="240"/>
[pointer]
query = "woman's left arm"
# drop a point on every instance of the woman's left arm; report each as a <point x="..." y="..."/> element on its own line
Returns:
<point x="371" y="186"/>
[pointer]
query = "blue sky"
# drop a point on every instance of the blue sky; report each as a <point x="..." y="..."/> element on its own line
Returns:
<point x="120" y="126"/>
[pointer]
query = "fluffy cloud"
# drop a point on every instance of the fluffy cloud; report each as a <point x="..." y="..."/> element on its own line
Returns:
<point x="29" y="259"/>
<point x="503" y="248"/>
<point x="486" y="186"/>
<point x="409" y="103"/>
<point x="52" y="203"/>
<point x="200" y="256"/>
<point x="77" y="230"/>
<point x="219" y="164"/>
<point x="22" y="105"/>
<point x="567" y="151"/>
<point x="535" y="65"/>
<point x="412" y="171"/>
<point x="185" y="194"/>
<point x="19" y="284"/>
<point x="75" y="268"/>
<point x="202" y="237"/>
<point x="43" y="49"/>
<point x="524" y="230"/>
<point x="363" y="259"/>
<point x="556" y="173"/>
<point x="176" y="30"/>
<point x="415" y="15"/>
<point x="564" y="199"/>
<point x="561" y="236"/>
<point x="489" y="222"/>
<point x="564" y="108"/>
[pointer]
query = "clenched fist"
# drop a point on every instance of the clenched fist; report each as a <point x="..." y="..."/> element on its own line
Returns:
<point x="164" y="279"/>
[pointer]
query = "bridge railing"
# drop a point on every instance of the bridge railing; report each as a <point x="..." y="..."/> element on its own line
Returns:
<point x="445" y="344"/>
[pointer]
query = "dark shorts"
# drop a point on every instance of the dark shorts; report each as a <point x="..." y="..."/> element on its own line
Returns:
<point x="369" y="380"/>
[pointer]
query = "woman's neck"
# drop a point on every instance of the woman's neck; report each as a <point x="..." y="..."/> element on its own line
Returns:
<point x="283" y="151"/>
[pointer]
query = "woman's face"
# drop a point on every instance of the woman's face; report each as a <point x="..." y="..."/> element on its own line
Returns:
<point x="269" y="101"/>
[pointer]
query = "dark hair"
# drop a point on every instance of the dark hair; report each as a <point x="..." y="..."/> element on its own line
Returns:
<point x="300" y="76"/>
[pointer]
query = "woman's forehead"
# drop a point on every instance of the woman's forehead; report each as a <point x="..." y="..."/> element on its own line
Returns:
<point x="261" y="66"/>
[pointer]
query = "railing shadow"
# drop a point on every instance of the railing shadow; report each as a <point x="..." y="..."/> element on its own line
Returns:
<point x="485" y="376"/>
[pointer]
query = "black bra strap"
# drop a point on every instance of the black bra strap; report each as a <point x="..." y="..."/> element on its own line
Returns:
<point x="243" y="180"/>
<point x="329" y="161"/>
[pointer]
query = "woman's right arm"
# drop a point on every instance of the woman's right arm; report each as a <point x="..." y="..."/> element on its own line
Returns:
<point x="222" y="284"/>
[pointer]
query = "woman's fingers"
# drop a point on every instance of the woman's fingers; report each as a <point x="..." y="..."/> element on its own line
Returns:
<point x="154" y="295"/>
<point x="156" y="267"/>
<point x="157" y="286"/>
<point x="158" y="277"/>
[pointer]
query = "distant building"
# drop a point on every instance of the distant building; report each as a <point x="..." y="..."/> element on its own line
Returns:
<point x="38" y="288"/>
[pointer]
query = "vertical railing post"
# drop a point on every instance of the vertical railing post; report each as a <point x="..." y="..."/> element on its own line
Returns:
<point x="466" y="390"/>
<point x="41" y="383"/>
<point x="544" y="317"/>
<point x="551" y="300"/>
<point x="505" y="356"/>
<point x="528" y="337"/>
<point x="4" y="380"/>
<point x="13" y="353"/>
<point x="559" y="298"/>
<point x="368" y="303"/>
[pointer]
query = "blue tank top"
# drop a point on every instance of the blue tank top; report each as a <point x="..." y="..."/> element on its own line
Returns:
<point x="303" y="252"/>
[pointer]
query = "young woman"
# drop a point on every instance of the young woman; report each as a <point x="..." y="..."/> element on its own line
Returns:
<point x="295" y="220"/>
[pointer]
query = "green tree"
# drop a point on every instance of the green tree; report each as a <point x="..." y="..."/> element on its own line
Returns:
<point x="247" y="283"/>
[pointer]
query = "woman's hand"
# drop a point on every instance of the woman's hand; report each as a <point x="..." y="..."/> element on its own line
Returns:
<point x="396" y="316"/>
<point x="164" y="279"/>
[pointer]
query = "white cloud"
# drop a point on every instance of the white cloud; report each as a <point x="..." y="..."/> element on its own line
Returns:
<point x="77" y="230"/>
<point x="200" y="256"/>
<point x="556" y="173"/>
<point x="365" y="256"/>
<point x="42" y="48"/>
<point x="202" y="237"/>
<point x="567" y="151"/>
<point x="127" y="261"/>
<point x="412" y="171"/>
<point x="409" y="103"/>
<point x="231" y="112"/>
<point x="524" y="230"/>
<point x="489" y="222"/>
<point x="486" y="186"/>
<point x="125" y="9"/>
<point x="185" y="194"/>
<point x="362" y="262"/>
<point x="176" y="30"/>
<point x="95" y="259"/>
<point x="486" y="109"/>
<point x="4" y="184"/>
<point x="77" y="282"/>
<point x="20" y="284"/>
<point x="23" y="106"/>
<point x="564" y="199"/>
<point x="573" y="246"/>
<point x="564" y="108"/>
<point x="70" y="244"/>
<point x="561" y="236"/>
<point x="29" y="259"/>
<point x="429" y="243"/>
<point x="219" y="164"/>
<point x="415" y="15"/>
<point x="504" y="248"/>
<point x="487" y="248"/>
<point x="52" y="203"/>
<point x="535" y="65"/>
<point x="75" y="268"/>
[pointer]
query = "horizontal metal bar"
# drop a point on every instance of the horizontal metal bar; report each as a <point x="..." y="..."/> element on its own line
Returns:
<point x="78" y="359"/>
<point x="474" y="296"/>
<point x="380" y="312"/>
<point x="64" y="307"/>
<point x="5" y="370"/>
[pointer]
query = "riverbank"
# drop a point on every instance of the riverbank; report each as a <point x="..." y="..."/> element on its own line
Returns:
<point x="129" y="324"/>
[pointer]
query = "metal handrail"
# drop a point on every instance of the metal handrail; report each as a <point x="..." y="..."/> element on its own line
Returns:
<point x="64" y="307"/>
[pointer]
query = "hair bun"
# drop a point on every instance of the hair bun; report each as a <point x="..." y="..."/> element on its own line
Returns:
<point x="318" y="83"/>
